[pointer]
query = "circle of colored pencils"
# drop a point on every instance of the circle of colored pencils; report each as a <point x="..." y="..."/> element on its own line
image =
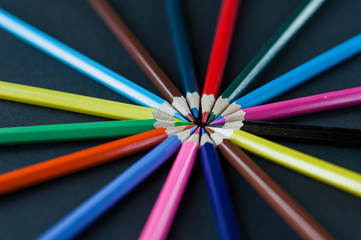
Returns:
<point x="221" y="201"/>
<point x="141" y="56"/>
<point x="273" y="194"/>
<point x="297" y="76"/>
<point x="183" y="54"/>
<point x="304" y="133"/>
<point x="90" y="210"/>
<point x="296" y="107"/>
<point x="217" y="61"/>
<point x="161" y="217"/>
<point x="78" y="103"/>
<point x="74" y="162"/>
<point x="266" y="55"/>
<point x="80" y="131"/>
<point x="318" y="169"/>
<point x="84" y="64"/>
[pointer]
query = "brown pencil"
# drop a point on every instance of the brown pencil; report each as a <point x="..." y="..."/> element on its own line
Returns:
<point x="141" y="56"/>
<point x="301" y="222"/>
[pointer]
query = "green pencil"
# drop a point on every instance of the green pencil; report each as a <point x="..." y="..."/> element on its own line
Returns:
<point x="80" y="131"/>
<point x="265" y="56"/>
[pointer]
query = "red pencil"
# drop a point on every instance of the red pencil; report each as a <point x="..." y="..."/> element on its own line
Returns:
<point x="219" y="53"/>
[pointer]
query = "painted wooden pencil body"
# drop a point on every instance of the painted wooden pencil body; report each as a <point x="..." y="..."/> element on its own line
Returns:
<point x="221" y="201"/>
<point x="165" y="208"/>
<point x="282" y="203"/>
<point x="77" y="103"/>
<point x="183" y="54"/>
<point x="84" y="64"/>
<point x="296" y="107"/>
<point x="297" y="76"/>
<point x="80" y="131"/>
<point x="266" y="55"/>
<point x="141" y="56"/>
<point x="74" y="162"/>
<point x="219" y="53"/>
<point x="318" y="169"/>
<point x="85" y="214"/>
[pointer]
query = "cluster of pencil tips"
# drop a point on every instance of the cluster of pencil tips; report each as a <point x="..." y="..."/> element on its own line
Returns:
<point x="235" y="120"/>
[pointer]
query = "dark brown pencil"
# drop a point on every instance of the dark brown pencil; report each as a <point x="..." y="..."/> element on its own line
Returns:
<point x="301" y="222"/>
<point x="141" y="56"/>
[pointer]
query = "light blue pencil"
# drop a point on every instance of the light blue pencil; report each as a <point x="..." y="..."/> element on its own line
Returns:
<point x="297" y="76"/>
<point x="84" y="64"/>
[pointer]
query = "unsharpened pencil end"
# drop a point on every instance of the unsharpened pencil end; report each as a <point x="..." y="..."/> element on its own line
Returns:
<point x="205" y="116"/>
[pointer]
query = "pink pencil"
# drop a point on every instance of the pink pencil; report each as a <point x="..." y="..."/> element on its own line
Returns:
<point x="297" y="107"/>
<point x="165" y="208"/>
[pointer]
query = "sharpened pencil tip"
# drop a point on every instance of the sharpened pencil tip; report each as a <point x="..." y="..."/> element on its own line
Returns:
<point x="179" y="116"/>
<point x="219" y="117"/>
<point x="195" y="113"/>
<point x="205" y="116"/>
<point x="211" y="118"/>
<point x="190" y="118"/>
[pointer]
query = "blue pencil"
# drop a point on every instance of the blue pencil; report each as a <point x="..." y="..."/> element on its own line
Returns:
<point x="217" y="188"/>
<point x="183" y="54"/>
<point x="297" y="76"/>
<point x="85" y="214"/>
<point x="84" y="64"/>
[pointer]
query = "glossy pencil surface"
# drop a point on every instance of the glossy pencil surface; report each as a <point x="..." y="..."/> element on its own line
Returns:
<point x="183" y="54"/>
<point x="219" y="53"/>
<point x="221" y="201"/>
<point x="85" y="214"/>
<point x="134" y="47"/>
<point x="161" y="217"/>
<point x="304" y="133"/>
<point x="266" y="55"/>
<point x="282" y="203"/>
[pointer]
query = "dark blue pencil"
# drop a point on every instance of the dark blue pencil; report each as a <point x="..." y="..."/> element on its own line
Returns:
<point x="183" y="54"/>
<point x="221" y="202"/>
<point x="89" y="211"/>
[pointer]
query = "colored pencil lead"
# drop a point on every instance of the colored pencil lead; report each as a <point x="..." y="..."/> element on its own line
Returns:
<point x="84" y="64"/>
<point x="266" y="55"/>
<point x="293" y="214"/>
<point x="217" y="61"/>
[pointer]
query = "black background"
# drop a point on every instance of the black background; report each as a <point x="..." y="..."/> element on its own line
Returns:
<point x="27" y="213"/>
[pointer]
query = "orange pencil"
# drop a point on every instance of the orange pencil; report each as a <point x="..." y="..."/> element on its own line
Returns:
<point x="67" y="164"/>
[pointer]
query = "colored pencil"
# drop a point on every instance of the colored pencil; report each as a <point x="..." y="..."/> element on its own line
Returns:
<point x="296" y="107"/>
<point x="77" y="103"/>
<point x="297" y="76"/>
<point x="74" y="162"/>
<point x="80" y="131"/>
<point x="217" y="61"/>
<point x="145" y="61"/>
<point x="336" y="176"/>
<point x="90" y="210"/>
<point x="293" y="214"/>
<point x="161" y="217"/>
<point x="84" y="64"/>
<point x="304" y="133"/>
<point x="183" y="54"/>
<point x="221" y="201"/>
<point x="266" y="55"/>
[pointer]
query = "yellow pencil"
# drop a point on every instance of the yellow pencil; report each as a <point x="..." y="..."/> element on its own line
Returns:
<point x="316" y="168"/>
<point x="78" y="103"/>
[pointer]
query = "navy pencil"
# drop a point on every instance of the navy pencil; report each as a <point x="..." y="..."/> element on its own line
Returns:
<point x="218" y="191"/>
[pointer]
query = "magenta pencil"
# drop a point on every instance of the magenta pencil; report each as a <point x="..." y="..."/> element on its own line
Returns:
<point x="165" y="208"/>
<point x="297" y="107"/>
